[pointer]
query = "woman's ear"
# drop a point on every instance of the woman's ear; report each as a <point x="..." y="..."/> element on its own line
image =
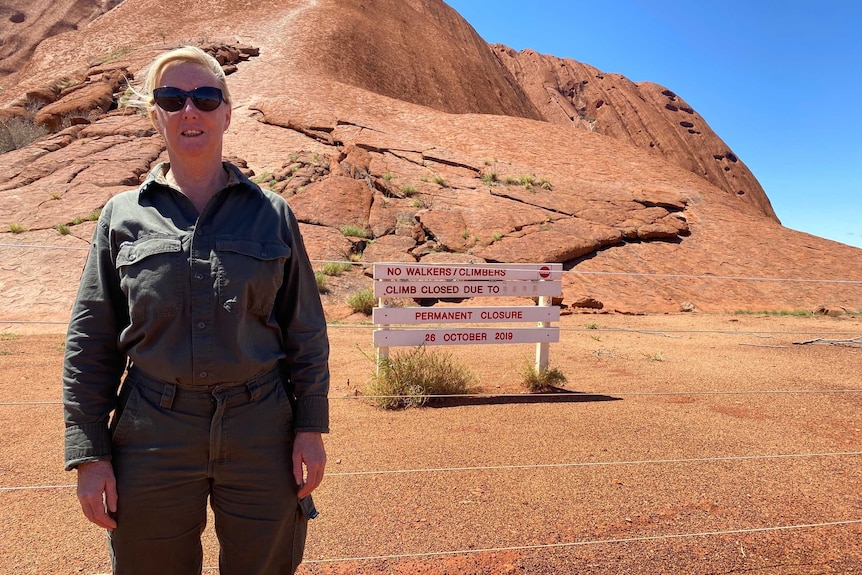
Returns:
<point x="227" y="114"/>
<point x="154" y="121"/>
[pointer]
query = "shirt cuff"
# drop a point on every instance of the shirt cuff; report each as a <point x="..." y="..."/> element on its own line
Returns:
<point x="87" y="442"/>
<point x="312" y="414"/>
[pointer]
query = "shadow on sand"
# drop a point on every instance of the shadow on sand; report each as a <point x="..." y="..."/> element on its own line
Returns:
<point x="556" y="395"/>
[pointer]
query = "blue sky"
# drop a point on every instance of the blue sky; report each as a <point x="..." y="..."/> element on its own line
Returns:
<point x="780" y="81"/>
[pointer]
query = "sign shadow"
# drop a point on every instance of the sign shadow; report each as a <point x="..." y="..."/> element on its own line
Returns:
<point x="555" y="395"/>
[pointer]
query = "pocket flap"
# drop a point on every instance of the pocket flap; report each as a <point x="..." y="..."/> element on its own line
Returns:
<point x="131" y="252"/>
<point x="257" y="250"/>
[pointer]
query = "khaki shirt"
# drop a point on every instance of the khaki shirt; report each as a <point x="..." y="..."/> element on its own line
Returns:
<point x="192" y="299"/>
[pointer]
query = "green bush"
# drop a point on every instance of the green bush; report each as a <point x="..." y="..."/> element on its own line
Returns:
<point x="490" y="179"/>
<point x="320" y="278"/>
<point x="362" y="301"/>
<point x="541" y="380"/>
<point x="410" y="378"/>
<point x="353" y="231"/>
<point x="335" y="268"/>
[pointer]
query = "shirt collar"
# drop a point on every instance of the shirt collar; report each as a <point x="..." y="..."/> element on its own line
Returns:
<point x="157" y="176"/>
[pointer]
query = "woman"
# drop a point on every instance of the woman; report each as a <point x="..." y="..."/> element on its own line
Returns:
<point x="197" y="282"/>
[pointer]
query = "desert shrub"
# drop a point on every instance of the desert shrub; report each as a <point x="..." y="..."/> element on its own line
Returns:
<point x="409" y="378"/>
<point x="62" y="229"/>
<point x="362" y="301"/>
<point x="16" y="228"/>
<point x="353" y="231"/>
<point x="798" y="313"/>
<point x="490" y="178"/>
<point x="541" y="380"/>
<point x="335" y="268"/>
<point x="16" y="132"/>
<point x="266" y="180"/>
<point x="320" y="278"/>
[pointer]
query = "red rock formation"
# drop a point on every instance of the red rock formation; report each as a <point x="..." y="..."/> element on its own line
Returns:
<point x="393" y="116"/>
<point x="647" y="115"/>
<point x="26" y="24"/>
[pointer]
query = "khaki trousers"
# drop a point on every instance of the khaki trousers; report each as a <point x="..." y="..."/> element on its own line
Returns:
<point x="175" y="447"/>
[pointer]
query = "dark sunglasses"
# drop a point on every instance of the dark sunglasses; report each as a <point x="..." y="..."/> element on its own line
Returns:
<point x="205" y="98"/>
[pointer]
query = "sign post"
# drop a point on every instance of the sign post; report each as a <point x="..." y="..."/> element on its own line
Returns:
<point x="399" y="280"/>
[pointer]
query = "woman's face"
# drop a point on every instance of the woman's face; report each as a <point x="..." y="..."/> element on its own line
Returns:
<point x="191" y="134"/>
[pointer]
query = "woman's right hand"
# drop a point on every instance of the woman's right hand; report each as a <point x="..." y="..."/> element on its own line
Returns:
<point x="97" y="492"/>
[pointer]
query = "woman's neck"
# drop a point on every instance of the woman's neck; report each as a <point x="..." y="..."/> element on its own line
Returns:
<point x="198" y="185"/>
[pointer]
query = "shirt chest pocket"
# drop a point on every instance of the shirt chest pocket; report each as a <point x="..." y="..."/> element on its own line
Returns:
<point x="250" y="274"/>
<point x="151" y="271"/>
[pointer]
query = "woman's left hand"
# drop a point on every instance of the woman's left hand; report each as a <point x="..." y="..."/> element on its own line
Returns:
<point x="309" y="461"/>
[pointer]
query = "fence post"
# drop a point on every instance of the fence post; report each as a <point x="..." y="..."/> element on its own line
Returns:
<point x="382" y="352"/>
<point x="543" y="349"/>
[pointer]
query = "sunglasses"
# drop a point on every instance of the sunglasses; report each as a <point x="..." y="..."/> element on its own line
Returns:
<point x="205" y="98"/>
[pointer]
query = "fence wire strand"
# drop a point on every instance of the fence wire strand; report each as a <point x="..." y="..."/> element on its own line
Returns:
<point x="536" y="466"/>
<point x="567" y="544"/>
<point x="567" y="465"/>
<point x="571" y="271"/>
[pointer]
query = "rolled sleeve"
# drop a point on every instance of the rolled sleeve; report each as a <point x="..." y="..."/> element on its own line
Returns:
<point x="303" y="326"/>
<point x="93" y="363"/>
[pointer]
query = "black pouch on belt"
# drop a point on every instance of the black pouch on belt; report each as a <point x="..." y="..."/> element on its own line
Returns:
<point x="308" y="508"/>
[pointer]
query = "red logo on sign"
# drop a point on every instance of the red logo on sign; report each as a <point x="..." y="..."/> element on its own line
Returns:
<point x="544" y="272"/>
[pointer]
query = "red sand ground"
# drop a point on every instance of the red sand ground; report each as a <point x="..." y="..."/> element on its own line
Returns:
<point x="700" y="444"/>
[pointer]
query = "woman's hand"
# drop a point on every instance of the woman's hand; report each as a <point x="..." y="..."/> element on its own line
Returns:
<point x="308" y="451"/>
<point x="97" y="492"/>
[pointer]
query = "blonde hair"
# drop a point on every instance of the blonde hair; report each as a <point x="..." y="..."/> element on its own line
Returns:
<point x="190" y="54"/>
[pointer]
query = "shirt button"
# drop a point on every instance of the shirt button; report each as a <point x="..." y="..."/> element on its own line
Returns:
<point x="263" y="254"/>
<point x="201" y="324"/>
<point x="199" y="276"/>
<point x="203" y="375"/>
<point x="132" y="257"/>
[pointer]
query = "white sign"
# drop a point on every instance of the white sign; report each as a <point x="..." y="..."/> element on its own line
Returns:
<point x="447" y="289"/>
<point x="432" y="272"/>
<point x="417" y="337"/>
<point x="491" y="314"/>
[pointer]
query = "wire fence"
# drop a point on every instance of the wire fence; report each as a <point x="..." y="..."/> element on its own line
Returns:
<point x="571" y="271"/>
<point x="372" y="474"/>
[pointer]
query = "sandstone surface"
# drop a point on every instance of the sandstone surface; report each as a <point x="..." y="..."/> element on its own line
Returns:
<point x="394" y="116"/>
